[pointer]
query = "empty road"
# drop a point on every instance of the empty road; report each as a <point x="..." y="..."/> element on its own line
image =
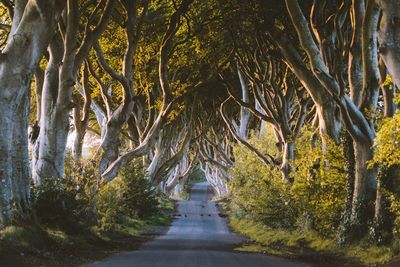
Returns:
<point x="196" y="238"/>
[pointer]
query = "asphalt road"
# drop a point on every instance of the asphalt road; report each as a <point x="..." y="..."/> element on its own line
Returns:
<point x="199" y="237"/>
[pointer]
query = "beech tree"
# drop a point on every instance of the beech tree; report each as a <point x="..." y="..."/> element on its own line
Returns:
<point x="166" y="49"/>
<point x="174" y="86"/>
<point x="33" y="23"/>
<point x="328" y="71"/>
<point x="389" y="43"/>
<point x="65" y="60"/>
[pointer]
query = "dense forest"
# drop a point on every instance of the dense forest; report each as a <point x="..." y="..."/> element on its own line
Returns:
<point x="288" y="109"/>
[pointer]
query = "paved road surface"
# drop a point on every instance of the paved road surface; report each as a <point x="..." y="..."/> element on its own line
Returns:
<point x="197" y="238"/>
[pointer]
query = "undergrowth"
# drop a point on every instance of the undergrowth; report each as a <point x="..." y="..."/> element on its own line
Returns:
<point x="75" y="215"/>
<point x="286" y="243"/>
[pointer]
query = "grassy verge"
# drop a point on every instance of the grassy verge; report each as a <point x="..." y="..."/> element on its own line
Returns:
<point x="310" y="246"/>
<point x="37" y="245"/>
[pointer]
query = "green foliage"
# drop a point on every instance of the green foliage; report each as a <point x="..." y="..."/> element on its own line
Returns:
<point x="22" y="237"/>
<point x="319" y="186"/>
<point x="257" y="191"/>
<point x="283" y="242"/>
<point x="314" y="201"/>
<point x="127" y="196"/>
<point x="387" y="142"/>
<point x="58" y="203"/>
<point x="196" y="176"/>
<point x="76" y="201"/>
<point x="395" y="209"/>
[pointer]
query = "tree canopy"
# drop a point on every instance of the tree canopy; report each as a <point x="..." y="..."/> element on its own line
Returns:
<point x="176" y="86"/>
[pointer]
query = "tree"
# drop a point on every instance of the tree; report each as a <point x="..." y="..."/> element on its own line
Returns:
<point x="33" y="23"/>
<point x="65" y="60"/>
<point x="166" y="49"/>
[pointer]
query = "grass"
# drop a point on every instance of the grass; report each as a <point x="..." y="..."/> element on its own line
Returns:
<point x="299" y="244"/>
<point x="37" y="245"/>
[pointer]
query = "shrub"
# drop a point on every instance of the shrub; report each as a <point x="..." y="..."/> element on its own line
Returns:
<point x="127" y="195"/>
<point x="56" y="203"/>
<point x="387" y="145"/>
<point x="257" y="190"/>
<point x="319" y="184"/>
<point x="315" y="200"/>
<point x="387" y="142"/>
<point x="68" y="202"/>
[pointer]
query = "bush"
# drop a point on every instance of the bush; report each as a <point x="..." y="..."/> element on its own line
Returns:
<point x="79" y="200"/>
<point x="69" y="202"/>
<point x="315" y="200"/>
<point x="387" y="142"/>
<point x="257" y="190"/>
<point x="127" y="195"/>
<point x="387" y="145"/>
<point x="56" y="203"/>
<point x="319" y="184"/>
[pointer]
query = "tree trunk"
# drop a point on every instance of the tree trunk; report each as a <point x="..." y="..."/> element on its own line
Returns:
<point x="355" y="70"/>
<point x="110" y="143"/>
<point x="81" y="121"/>
<point x="389" y="37"/>
<point x="28" y="40"/>
<point x="39" y="80"/>
<point x="244" y="112"/>
<point x="364" y="188"/>
<point x="287" y="160"/>
<point x="382" y="227"/>
<point x="44" y="162"/>
<point x="155" y="162"/>
<point x="57" y="101"/>
<point x="21" y="170"/>
<point x="345" y="230"/>
<point x="6" y="134"/>
<point x="327" y="111"/>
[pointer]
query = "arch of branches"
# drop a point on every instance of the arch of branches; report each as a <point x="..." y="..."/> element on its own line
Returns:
<point x="179" y="83"/>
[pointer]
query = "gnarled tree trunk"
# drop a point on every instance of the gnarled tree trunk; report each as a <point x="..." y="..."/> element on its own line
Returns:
<point x="33" y="24"/>
<point x="389" y="37"/>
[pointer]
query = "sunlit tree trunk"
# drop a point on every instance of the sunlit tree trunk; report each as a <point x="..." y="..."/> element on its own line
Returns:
<point x="57" y="103"/>
<point x="81" y="121"/>
<point x="147" y="142"/>
<point x="33" y="25"/>
<point x="389" y="37"/>
<point x="244" y="112"/>
<point x="60" y="81"/>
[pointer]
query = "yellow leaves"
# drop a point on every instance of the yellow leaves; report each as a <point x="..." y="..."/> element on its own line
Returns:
<point x="5" y="20"/>
<point x="258" y="191"/>
<point x="387" y="142"/>
<point x="388" y="81"/>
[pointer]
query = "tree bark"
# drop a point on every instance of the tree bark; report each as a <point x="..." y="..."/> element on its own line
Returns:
<point x="44" y="164"/>
<point x="57" y="101"/>
<point x="364" y="187"/>
<point x="81" y="121"/>
<point x="355" y="59"/>
<point x="244" y="112"/>
<point x="57" y="94"/>
<point x="28" y="40"/>
<point x="389" y="37"/>
<point x="166" y="49"/>
<point x="287" y="160"/>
